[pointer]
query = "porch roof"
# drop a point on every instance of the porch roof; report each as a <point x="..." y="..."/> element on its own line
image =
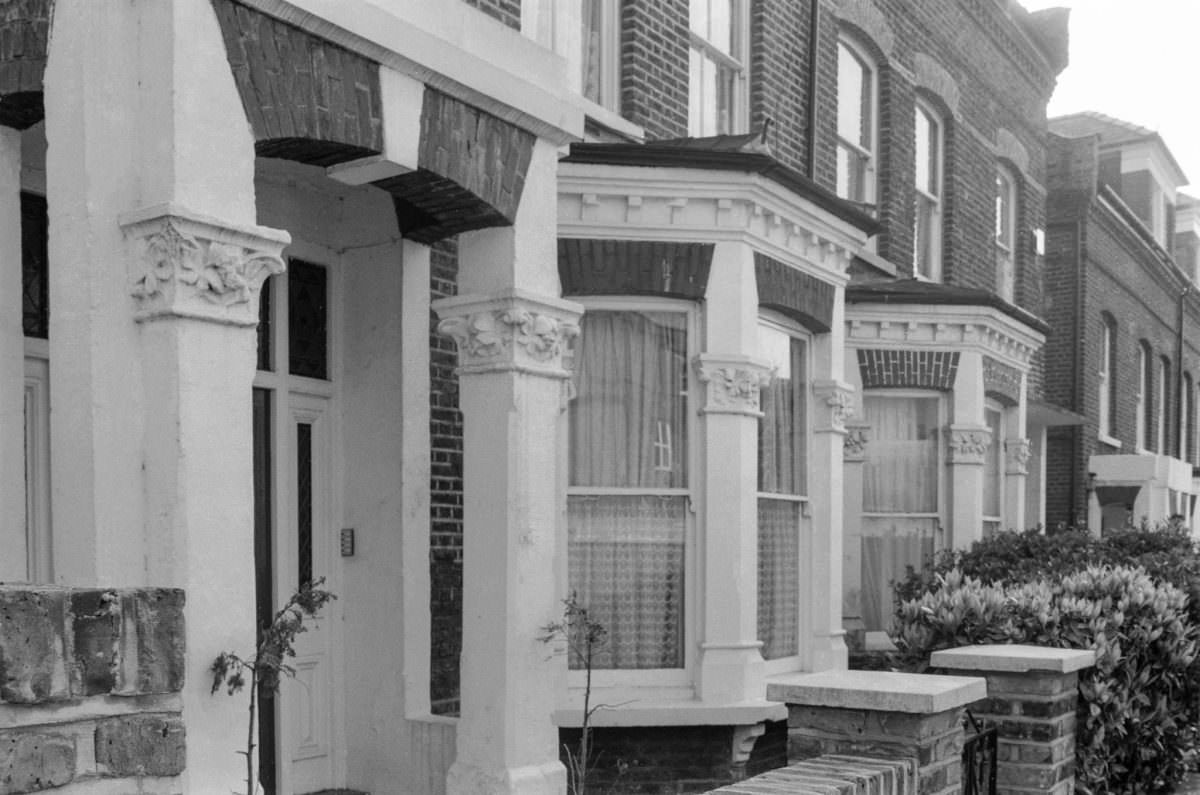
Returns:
<point x="915" y="291"/>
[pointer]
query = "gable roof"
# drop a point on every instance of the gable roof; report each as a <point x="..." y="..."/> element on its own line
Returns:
<point x="1113" y="133"/>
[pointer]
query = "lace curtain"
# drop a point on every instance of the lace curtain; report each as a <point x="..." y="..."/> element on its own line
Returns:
<point x="781" y="470"/>
<point x="628" y="431"/>
<point x="900" y="476"/>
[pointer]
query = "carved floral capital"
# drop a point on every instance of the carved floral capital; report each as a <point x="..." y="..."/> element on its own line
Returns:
<point x="968" y="444"/>
<point x="833" y="405"/>
<point x="854" y="445"/>
<point x="1017" y="453"/>
<point x="734" y="383"/>
<point x="510" y="332"/>
<point x="187" y="265"/>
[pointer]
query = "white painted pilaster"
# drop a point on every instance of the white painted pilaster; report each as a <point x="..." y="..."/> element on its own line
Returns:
<point x="1017" y="452"/>
<point x="968" y="437"/>
<point x="731" y="663"/>
<point x="511" y="330"/>
<point x="12" y="365"/>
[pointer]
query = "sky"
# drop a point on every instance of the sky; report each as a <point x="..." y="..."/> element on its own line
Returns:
<point x="1133" y="60"/>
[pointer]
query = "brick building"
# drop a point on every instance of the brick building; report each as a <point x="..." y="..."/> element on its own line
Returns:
<point x="641" y="301"/>
<point x="1120" y="277"/>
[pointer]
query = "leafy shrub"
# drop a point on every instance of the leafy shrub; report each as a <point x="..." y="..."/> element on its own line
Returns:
<point x="1136" y="719"/>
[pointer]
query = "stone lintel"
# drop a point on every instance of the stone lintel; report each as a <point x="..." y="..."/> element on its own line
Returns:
<point x="1014" y="659"/>
<point x="883" y="691"/>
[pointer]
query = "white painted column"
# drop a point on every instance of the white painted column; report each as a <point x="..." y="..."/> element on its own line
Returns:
<point x="832" y="406"/>
<point x="511" y="330"/>
<point x="12" y="364"/>
<point x="157" y="267"/>
<point x="1017" y="451"/>
<point x="854" y="454"/>
<point x="968" y="442"/>
<point x="731" y="664"/>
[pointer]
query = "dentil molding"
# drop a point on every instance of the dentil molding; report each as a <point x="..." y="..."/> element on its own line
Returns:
<point x="186" y="265"/>
<point x="734" y="383"/>
<point x="513" y="331"/>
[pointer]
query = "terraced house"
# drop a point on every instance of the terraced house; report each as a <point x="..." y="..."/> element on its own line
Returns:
<point x="714" y="313"/>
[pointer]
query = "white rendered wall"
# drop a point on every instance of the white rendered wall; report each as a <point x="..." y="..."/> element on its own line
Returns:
<point x="12" y="364"/>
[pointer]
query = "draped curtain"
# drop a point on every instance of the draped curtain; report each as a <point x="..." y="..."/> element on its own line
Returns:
<point x="782" y="447"/>
<point x="900" y="478"/>
<point x="628" y="431"/>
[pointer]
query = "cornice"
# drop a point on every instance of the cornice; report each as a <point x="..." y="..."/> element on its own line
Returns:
<point x="940" y="327"/>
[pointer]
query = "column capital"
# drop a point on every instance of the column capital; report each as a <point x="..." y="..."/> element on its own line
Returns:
<point x="188" y="265"/>
<point x="833" y="405"/>
<point x="511" y="331"/>
<point x="1017" y="453"/>
<point x="733" y="382"/>
<point x="968" y="444"/>
<point x="854" y="446"/>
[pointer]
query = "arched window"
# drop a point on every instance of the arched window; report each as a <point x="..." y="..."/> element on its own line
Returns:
<point x="1145" y="388"/>
<point x="1107" y="386"/>
<point x="1006" y="231"/>
<point x="1187" y="421"/>
<point x="857" y="122"/>
<point x="1162" y="404"/>
<point x="929" y="157"/>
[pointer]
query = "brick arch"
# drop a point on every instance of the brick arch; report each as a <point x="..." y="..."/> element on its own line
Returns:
<point x="931" y="77"/>
<point x="312" y="101"/>
<point x="24" y="38"/>
<point x="1012" y="150"/>
<point x="870" y="22"/>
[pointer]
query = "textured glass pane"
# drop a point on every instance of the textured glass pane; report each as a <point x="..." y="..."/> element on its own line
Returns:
<point x="782" y="445"/>
<point x="900" y="471"/>
<point x="993" y="467"/>
<point x="304" y="502"/>
<point x="308" y="353"/>
<point x="625" y="563"/>
<point x="35" y="284"/>
<point x="266" y="358"/>
<point x="778" y="577"/>
<point x="628" y="420"/>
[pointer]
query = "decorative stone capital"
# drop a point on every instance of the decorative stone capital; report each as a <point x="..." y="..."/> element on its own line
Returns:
<point x="1016" y="456"/>
<point x="854" y="446"/>
<point x="186" y="265"/>
<point x="515" y="331"/>
<point x="833" y="404"/>
<point x="734" y="383"/>
<point x="969" y="443"/>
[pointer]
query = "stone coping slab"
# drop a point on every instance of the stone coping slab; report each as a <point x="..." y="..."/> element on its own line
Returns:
<point x="883" y="691"/>
<point x="1014" y="658"/>
<point x="674" y="713"/>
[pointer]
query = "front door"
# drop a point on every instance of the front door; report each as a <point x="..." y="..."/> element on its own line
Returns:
<point x="295" y="499"/>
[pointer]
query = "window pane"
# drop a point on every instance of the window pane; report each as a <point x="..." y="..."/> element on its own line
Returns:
<point x="900" y="471"/>
<point x="890" y="544"/>
<point x="925" y="168"/>
<point x="924" y="231"/>
<point x="265" y="349"/>
<point x="308" y="354"/>
<point x="720" y="25"/>
<point x="304" y="502"/>
<point x="35" y="284"/>
<point x="1004" y="210"/>
<point x="993" y="467"/>
<point x="778" y="577"/>
<point x="782" y="428"/>
<point x="625" y="561"/>
<point x="854" y="106"/>
<point x="698" y="17"/>
<point x="628" y="420"/>
<point x="593" y="22"/>
<point x="851" y="174"/>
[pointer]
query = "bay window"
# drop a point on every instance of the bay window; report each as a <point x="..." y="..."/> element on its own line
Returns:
<point x="717" y="67"/>
<point x="858" y="133"/>
<point x="782" y="488"/>
<point x="628" y="498"/>
<point x="927" y="213"/>
<point x="901" y="495"/>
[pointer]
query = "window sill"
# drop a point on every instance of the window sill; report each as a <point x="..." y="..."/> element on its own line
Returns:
<point x="1108" y="440"/>
<point x="611" y="120"/>
<point x="675" y="713"/>
<point x="876" y="261"/>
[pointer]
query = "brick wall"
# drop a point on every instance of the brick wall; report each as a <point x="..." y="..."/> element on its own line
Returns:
<point x="1097" y="263"/>
<point x="887" y="368"/>
<point x="445" y="500"/>
<point x="654" y="66"/>
<point x="90" y="688"/>
<point x="507" y="11"/>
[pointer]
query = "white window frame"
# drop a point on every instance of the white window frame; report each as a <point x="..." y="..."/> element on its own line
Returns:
<point x="701" y="51"/>
<point x="1006" y="226"/>
<point x="1142" y="403"/>
<point x="777" y="322"/>
<point x="1185" y="414"/>
<point x="997" y="443"/>
<point x="39" y="553"/>
<point x="870" y="156"/>
<point x="937" y="145"/>
<point x="1162" y="376"/>
<point x="608" y="94"/>
<point x="1106" y="412"/>
<point x="670" y="683"/>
